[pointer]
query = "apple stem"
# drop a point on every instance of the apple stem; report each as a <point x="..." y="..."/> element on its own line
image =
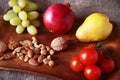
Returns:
<point x="67" y="3"/>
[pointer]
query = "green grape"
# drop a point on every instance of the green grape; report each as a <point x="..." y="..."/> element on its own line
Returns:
<point x="22" y="3"/>
<point x="15" y="21"/>
<point x="20" y="29"/>
<point x="32" y="30"/>
<point x="23" y="15"/>
<point x="6" y="18"/>
<point x="33" y="15"/>
<point x="25" y="23"/>
<point x="31" y="6"/>
<point x="12" y="3"/>
<point x="36" y="23"/>
<point x="10" y="14"/>
<point x="16" y="9"/>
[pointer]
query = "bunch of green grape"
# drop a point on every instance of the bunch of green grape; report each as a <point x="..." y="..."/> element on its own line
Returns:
<point x="23" y="15"/>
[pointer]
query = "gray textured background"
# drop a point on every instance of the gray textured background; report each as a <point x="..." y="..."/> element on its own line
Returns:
<point x="81" y="8"/>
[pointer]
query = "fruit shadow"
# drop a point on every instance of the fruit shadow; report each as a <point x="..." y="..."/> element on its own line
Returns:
<point x="75" y="43"/>
<point x="114" y="52"/>
<point x="115" y="32"/>
<point x="78" y="22"/>
<point x="114" y="38"/>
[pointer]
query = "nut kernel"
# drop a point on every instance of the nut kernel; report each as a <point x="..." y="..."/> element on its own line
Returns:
<point x="18" y="49"/>
<point x="26" y="58"/>
<point x="47" y="48"/>
<point x="30" y="53"/>
<point x="40" y="58"/>
<point x="46" y="61"/>
<point x="51" y="63"/>
<point x="33" y="62"/>
<point x="52" y="52"/>
<point x="3" y="46"/>
<point x="43" y="52"/>
<point x="35" y="56"/>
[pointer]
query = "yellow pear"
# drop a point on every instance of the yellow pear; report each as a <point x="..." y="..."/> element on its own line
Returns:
<point x="96" y="27"/>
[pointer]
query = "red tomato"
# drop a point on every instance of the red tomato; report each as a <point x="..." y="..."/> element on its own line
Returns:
<point x="75" y="64"/>
<point x="88" y="55"/>
<point x="107" y="65"/>
<point x="100" y="56"/>
<point x="92" y="72"/>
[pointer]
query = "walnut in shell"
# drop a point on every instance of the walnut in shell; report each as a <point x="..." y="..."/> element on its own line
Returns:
<point x="3" y="46"/>
<point x="59" y="44"/>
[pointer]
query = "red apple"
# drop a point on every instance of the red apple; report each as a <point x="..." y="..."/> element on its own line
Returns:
<point x="58" y="18"/>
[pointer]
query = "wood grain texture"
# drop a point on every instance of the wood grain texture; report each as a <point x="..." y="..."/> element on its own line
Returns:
<point x="81" y="8"/>
<point x="62" y="70"/>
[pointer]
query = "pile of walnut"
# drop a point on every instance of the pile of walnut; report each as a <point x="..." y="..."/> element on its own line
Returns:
<point x="34" y="53"/>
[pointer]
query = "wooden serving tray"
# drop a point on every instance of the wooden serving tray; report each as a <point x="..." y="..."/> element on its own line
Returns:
<point x="61" y="70"/>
